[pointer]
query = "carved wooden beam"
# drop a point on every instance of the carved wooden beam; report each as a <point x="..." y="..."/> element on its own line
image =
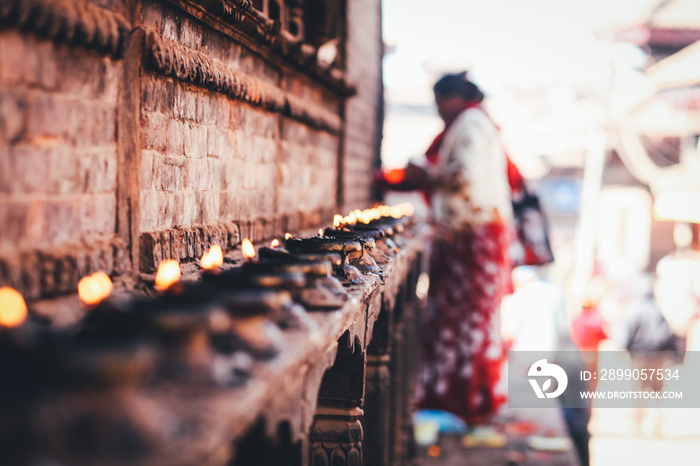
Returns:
<point x="175" y="60"/>
<point x="234" y="17"/>
<point x="72" y="22"/>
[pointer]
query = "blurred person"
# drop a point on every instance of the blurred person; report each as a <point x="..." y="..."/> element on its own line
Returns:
<point x="464" y="177"/>
<point x="535" y="319"/>
<point x="650" y="341"/>
<point x="588" y="330"/>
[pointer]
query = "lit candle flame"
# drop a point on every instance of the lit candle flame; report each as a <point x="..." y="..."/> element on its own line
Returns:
<point x="214" y="258"/>
<point x="320" y="232"/>
<point x="287" y="236"/>
<point x="337" y="221"/>
<point x="13" y="309"/>
<point x="274" y="243"/>
<point x="248" y="249"/>
<point x="168" y="274"/>
<point x="93" y="289"/>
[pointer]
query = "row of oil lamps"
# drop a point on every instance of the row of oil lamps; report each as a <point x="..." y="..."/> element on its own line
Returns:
<point x="201" y="331"/>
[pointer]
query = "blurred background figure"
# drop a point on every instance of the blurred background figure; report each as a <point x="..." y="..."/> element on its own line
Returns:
<point x="652" y="344"/>
<point x="589" y="329"/>
<point x="534" y="318"/>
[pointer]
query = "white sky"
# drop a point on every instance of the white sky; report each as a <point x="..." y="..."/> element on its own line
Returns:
<point x="528" y="42"/>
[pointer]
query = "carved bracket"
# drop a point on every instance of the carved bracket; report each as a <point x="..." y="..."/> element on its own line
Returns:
<point x="73" y="22"/>
<point x="172" y="59"/>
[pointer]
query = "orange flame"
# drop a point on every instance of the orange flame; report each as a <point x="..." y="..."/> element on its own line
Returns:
<point x="248" y="249"/>
<point x="274" y="243"/>
<point x="395" y="175"/>
<point x="214" y="258"/>
<point x="287" y="236"/>
<point x="320" y="232"/>
<point x="93" y="289"/>
<point x="168" y="274"/>
<point x="13" y="309"/>
<point x="337" y="221"/>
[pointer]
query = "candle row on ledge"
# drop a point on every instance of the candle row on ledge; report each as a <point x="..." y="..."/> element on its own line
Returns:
<point x="95" y="288"/>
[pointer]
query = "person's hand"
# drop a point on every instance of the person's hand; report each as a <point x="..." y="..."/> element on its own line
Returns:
<point x="415" y="177"/>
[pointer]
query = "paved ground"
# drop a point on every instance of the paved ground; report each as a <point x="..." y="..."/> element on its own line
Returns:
<point x="516" y="425"/>
<point x="617" y="440"/>
<point x="664" y="437"/>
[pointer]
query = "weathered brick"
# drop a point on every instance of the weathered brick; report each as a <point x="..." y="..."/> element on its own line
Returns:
<point x="208" y="204"/>
<point x="197" y="175"/>
<point x="175" y="138"/>
<point x="149" y="210"/>
<point x="98" y="171"/>
<point x="195" y="139"/>
<point x="155" y="133"/>
<point x="51" y="116"/>
<point x="184" y="103"/>
<point x="146" y="169"/>
<point x="12" y="115"/>
<point x="170" y="25"/>
<point x="157" y="95"/>
<point x="18" y="62"/>
<point x="170" y="173"/>
<point x="151" y="254"/>
<point x="219" y="141"/>
<point x="98" y="215"/>
<point x="14" y="218"/>
<point x="153" y="16"/>
<point x="61" y="219"/>
<point x="187" y="212"/>
<point x="190" y="34"/>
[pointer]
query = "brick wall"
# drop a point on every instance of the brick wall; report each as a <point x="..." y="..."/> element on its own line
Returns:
<point x="58" y="160"/>
<point x="362" y="112"/>
<point x="152" y="129"/>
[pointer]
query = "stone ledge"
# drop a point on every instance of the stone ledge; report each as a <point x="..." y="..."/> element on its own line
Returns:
<point x="49" y="272"/>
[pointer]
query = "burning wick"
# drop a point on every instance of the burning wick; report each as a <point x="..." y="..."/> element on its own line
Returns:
<point x="287" y="236"/>
<point x="320" y="232"/>
<point x="168" y="274"/>
<point x="214" y="258"/>
<point x="248" y="250"/>
<point x="337" y="221"/>
<point x="13" y="309"/>
<point x="275" y="243"/>
<point x="93" y="289"/>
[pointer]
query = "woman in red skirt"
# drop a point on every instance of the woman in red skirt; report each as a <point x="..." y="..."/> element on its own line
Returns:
<point x="465" y="176"/>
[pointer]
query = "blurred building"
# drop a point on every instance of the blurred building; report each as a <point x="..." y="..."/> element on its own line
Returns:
<point x="656" y="136"/>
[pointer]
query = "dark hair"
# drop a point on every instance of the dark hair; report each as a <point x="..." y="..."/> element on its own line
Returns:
<point x="452" y="85"/>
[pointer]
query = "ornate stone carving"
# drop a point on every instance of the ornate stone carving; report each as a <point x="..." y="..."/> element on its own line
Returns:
<point x="336" y="437"/>
<point x="73" y="22"/>
<point x="180" y="62"/>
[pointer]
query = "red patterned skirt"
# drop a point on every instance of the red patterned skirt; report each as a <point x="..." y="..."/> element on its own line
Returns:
<point x="461" y="347"/>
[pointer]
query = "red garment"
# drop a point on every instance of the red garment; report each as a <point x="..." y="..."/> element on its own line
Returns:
<point x="587" y="330"/>
<point x="461" y="348"/>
